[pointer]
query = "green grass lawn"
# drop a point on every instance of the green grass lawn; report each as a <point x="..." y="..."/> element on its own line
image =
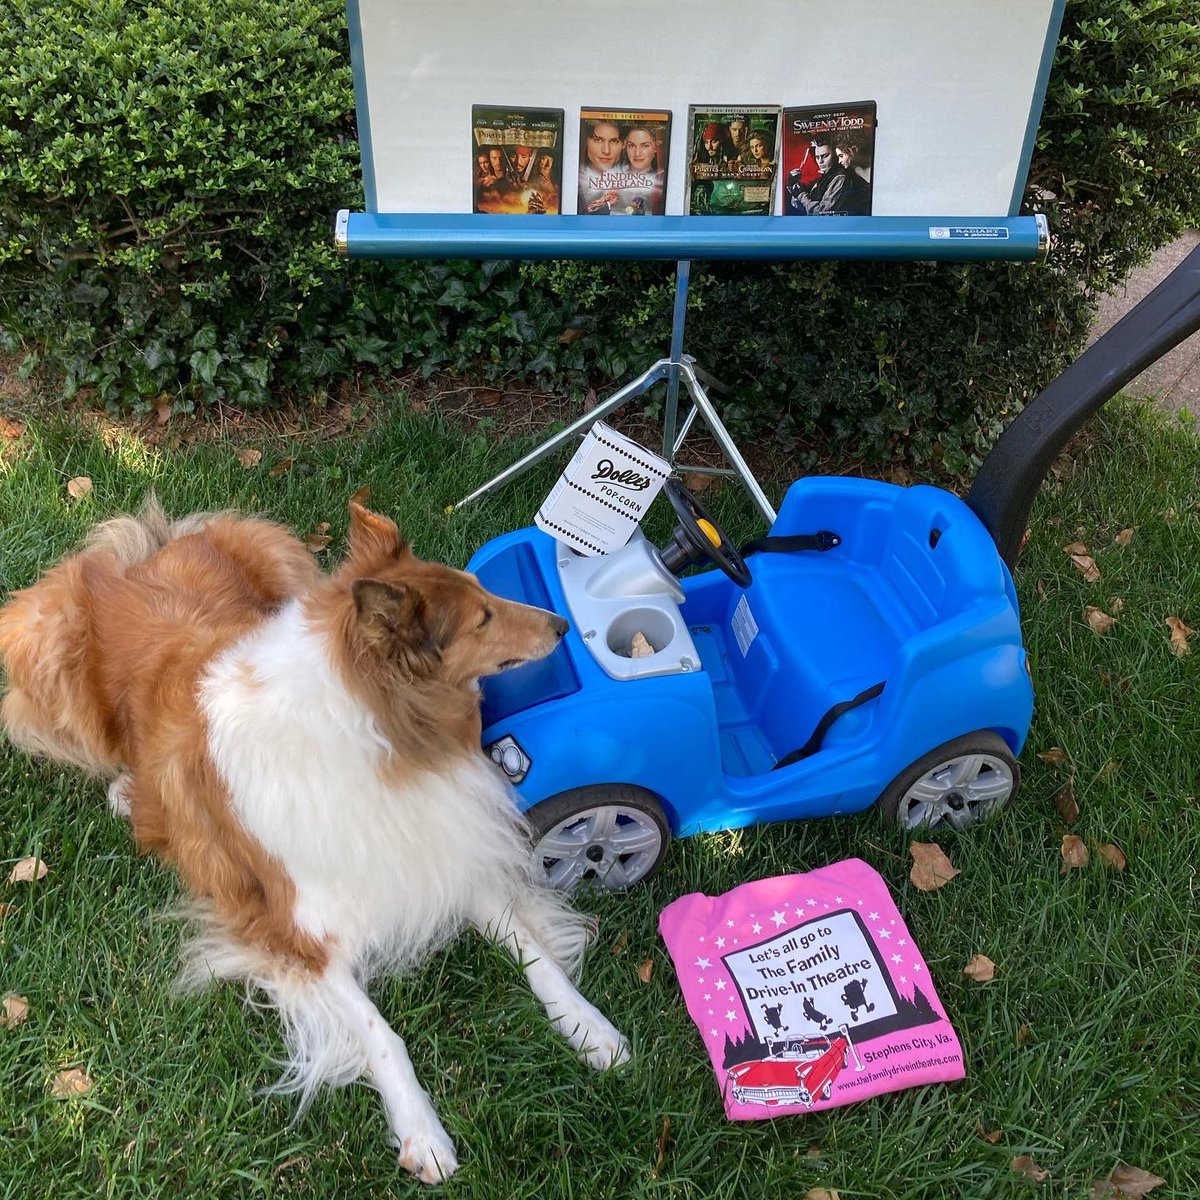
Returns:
<point x="1083" y="1053"/>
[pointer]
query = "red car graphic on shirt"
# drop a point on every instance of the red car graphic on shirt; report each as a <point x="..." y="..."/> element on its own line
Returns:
<point x="800" y="1075"/>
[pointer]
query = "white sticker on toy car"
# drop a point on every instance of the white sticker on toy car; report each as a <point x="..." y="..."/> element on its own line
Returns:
<point x="745" y="628"/>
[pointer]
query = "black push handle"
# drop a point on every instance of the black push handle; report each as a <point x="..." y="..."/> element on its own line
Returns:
<point x="1003" y="492"/>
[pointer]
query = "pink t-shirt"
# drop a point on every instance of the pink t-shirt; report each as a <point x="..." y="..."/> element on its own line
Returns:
<point x="809" y="992"/>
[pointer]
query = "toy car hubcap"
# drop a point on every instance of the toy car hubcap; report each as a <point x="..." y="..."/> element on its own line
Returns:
<point x="613" y="846"/>
<point x="960" y="792"/>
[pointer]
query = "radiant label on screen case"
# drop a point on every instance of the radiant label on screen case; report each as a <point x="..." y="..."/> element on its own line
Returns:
<point x="969" y="233"/>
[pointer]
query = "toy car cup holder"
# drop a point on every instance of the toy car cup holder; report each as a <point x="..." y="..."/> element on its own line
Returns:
<point x="653" y="624"/>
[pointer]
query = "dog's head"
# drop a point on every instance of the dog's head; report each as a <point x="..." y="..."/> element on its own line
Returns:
<point x="424" y="621"/>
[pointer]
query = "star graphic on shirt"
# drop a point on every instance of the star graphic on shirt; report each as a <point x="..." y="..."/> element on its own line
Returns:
<point x="896" y="958"/>
<point x="710" y="1012"/>
<point x="860" y="904"/>
<point x="720" y="943"/>
<point x="837" y="899"/>
<point x="885" y="933"/>
<point x="720" y="985"/>
<point x="707" y="996"/>
<point x="731" y="1015"/>
<point x="730" y="922"/>
<point x="903" y="978"/>
<point x="811" y="902"/>
<point x="701" y="979"/>
<point x="902" y="942"/>
<point x="916" y="967"/>
<point x="703" y="964"/>
<point x="713" y="1032"/>
<point x="799" y="912"/>
<point x="892" y="921"/>
<point x="778" y="918"/>
<point x="756" y="928"/>
<point x="873" y="916"/>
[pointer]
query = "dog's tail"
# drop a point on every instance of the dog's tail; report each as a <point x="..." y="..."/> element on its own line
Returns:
<point x="46" y="649"/>
<point x="133" y="539"/>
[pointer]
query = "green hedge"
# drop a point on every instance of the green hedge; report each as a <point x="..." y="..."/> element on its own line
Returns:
<point x="168" y="173"/>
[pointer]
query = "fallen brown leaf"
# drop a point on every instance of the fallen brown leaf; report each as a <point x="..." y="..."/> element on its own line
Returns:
<point x="1116" y="603"/>
<point x="590" y="400"/>
<point x="74" y="1082"/>
<point x="664" y="1140"/>
<point x="1125" y="1183"/>
<point x="1110" y="768"/>
<point x="27" y="870"/>
<point x="1086" y="566"/>
<point x="1054" y="756"/>
<point x="489" y="397"/>
<point x="162" y="409"/>
<point x="1113" y="856"/>
<point x="621" y="942"/>
<point x="5" y="909"/>
<point x="1022" y="1035"/>
<point x="1098" y="619"/>
<point x="993" y="1137"/>
<point x="1125" y="536"/>
<point x="646" y="970"/>
<point x="1024" y="1165"/>
<point x="318" y="539"/>
<point x="698" y="482"/>
<point x="282" y="467"/>
<point x="79" y="487"/>
<point x="10" y="430"/>
<point x="16" y="1010"/>
<point x="1074" y="853"/>
<point x="931" y="868"/>
<point x="1075" y="548"/>
<point x="568" y="336"/>
<point x="980" y="968"/>
<point x="822" y="1194"/>
<point x="249" y="458"/>
<point x="1180" y="636"/>
<point x="1066" y="804"/>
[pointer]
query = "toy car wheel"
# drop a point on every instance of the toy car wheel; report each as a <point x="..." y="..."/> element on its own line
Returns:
<point x="961" y="783"/>
<point x="612" y="836"/>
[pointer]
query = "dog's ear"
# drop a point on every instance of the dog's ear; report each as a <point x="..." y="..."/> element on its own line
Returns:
<point x="394" y="618"/>
<point x="374" y="536"/>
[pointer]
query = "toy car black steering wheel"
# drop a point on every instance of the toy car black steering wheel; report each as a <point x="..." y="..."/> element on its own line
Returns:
<point x="698" y="538"/>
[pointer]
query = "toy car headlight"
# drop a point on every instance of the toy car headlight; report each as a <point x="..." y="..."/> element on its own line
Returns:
<point x="510" y="758"/>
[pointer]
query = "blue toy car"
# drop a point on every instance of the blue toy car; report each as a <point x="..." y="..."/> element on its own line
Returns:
<point x="877" y="660"/>
<point x="874" y="657"/>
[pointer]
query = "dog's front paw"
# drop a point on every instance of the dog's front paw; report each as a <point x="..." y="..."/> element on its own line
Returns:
<point x="605" y="1048"/>
<point x="429" y="1155"/>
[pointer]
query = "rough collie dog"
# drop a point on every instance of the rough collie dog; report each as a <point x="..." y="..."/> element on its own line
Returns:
<point x="304" y="749"/>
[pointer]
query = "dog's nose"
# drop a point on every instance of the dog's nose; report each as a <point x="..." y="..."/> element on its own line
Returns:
<point x="559" y="625"/>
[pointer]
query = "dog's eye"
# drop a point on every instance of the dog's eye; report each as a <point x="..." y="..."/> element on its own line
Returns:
<point x="487" y="616"/>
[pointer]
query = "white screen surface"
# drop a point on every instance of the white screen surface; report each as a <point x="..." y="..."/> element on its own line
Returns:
<point x="954" y="81"/>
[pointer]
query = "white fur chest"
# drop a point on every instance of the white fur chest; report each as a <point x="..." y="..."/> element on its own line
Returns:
<point x="386" y="869"/>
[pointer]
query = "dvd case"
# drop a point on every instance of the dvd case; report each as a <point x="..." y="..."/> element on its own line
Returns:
<point x="517" y="159"/>
<point x="623" y="162"/>
<point x="828" y="160"/>
<point x="732" y="159"/>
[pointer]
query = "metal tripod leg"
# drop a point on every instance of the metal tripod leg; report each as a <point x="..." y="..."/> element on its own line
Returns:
<point x="577" y="428"/>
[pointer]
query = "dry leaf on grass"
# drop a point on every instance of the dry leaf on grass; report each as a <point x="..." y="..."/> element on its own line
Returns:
<point x="1066" y="804"/>
<point x="698" y="482"/>
<point x="79" y="487"/>
<point x="75" y="1082"/>
<point x="1098" y="619"/>
<point x="622" y="941"/>
<point x="318" y="539"/>
<point x="15" y="1011"/>
<point x="1083" y="561"/>
<point x="249" y="458"/>
<point x="1116" y="603"/>
<point x="5" y="909"/>
<point x="664" y="1140"/>
<point x="1125" y="536"/>
<point x="1180" y="636"/>
<point x="27" y="870"/>
<point x="931" y="868"/>
<point x="282" y="467"/>
<point x="1022" y="1034"/>
<point x="991" y="1138"/>
<point x="980" y="968"/>
<point x="1024" y="1165"/>
<point x="1054" y="756"/>
<point x="1074" y="853"/>
<point x="1125" y="1183"/>
<point x="646" y="970"/>
<point x="568" y="336"/>
<point x="1112" y="856"/>
<point x="822" y="1194"/>
<point x="162" y="409"/>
